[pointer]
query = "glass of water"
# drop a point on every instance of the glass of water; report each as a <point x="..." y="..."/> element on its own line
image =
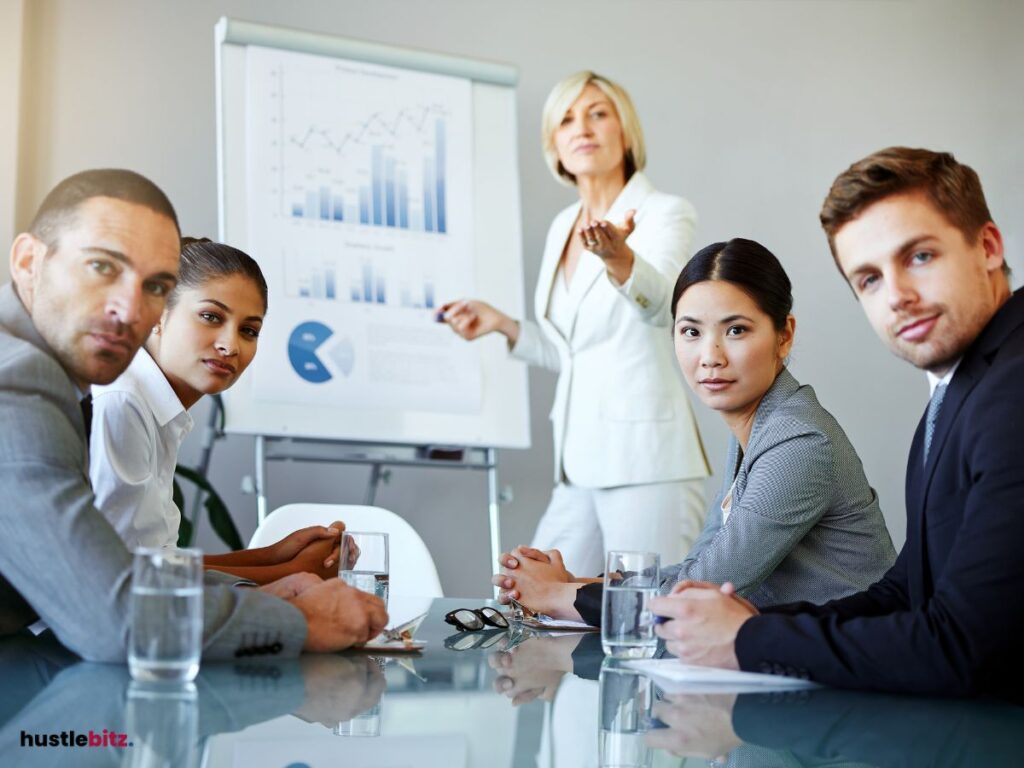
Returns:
<point x="626" y="698"/>
<point x="631" y="579"/>
<point x="166" y="635"/>
<point x="364" y="562"/>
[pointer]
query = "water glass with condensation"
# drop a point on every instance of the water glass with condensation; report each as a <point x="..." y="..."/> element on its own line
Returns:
<point x="631" y="579"/>
<point x="166" y="635"/>
<point x="364" y="562"/>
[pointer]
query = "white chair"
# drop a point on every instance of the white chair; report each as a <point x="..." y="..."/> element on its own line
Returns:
<point x="412" y="568"/>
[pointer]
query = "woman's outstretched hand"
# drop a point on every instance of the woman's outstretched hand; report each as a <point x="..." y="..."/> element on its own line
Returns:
<point x="608" y="241"/>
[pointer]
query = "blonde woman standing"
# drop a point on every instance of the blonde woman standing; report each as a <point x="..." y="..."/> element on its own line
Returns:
<point x="629" y="465"/>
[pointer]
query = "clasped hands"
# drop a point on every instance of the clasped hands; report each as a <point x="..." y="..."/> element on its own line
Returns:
<point x="539" y="580"/>
<point x="703" y="618"/>
<point x="313" y="550"/>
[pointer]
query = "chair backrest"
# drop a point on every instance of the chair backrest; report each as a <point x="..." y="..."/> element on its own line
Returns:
<point x="413" y="572"/>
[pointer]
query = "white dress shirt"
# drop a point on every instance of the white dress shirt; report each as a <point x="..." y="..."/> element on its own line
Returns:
<point x="138" y="425"/>
<point x="934" y="381"/>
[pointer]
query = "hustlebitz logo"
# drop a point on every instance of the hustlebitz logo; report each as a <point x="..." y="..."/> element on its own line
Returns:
<point x="71" y="739"/>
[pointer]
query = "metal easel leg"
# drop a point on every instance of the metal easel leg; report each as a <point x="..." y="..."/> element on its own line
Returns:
<point x="494" y="511"/>
<point x="376" y="476"/>
<point x="261" y="480"/>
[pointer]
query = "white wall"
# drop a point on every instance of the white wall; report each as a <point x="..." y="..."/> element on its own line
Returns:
<point x="12" y="13"/>
<point x="750" y="109"/>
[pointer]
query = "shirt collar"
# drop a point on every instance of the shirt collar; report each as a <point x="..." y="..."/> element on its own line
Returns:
<point x="934" y="381"/>
<point x="153" y="386"/>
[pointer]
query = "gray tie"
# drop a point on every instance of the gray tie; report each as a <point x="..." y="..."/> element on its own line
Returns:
<point x="933" y="413"/>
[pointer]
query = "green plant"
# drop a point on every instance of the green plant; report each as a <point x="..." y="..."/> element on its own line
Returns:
<point x="220" y="518"/>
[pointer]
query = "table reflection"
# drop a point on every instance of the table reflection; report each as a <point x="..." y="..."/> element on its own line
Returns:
<point x="517" y="699"/>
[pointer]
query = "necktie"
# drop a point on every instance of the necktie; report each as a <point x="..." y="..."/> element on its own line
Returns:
<point x="86" y="405"/>
<point x="933" y="414"/>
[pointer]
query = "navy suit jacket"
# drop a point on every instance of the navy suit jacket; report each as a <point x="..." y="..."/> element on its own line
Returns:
<point x="948" y="618"/>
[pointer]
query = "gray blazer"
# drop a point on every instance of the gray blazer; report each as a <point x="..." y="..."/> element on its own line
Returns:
<point x="60" y="560"/>
<point x="805" y="524"/>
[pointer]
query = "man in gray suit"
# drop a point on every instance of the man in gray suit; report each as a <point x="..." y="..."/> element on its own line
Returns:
<point x="90" y="279"/>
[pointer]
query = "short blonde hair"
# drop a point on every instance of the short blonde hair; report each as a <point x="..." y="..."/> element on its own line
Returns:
<point x="562" y="97"/>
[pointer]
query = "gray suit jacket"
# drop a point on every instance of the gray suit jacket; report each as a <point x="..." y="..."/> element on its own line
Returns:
<point x="805" y="524"/>
<point x="60" y="560"/>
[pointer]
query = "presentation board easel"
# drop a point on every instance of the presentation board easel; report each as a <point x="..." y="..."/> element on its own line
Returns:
<point x="367" y="208"/>
<point x="270" y="449"/>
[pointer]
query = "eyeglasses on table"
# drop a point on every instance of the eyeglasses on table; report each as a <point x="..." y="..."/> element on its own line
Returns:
<point x="475" y="619"/>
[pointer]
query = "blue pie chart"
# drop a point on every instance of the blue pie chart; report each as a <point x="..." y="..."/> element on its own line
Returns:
<point x="302" y="347"/>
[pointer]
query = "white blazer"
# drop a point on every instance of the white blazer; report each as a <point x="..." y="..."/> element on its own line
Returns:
<point x="621" y="415"/>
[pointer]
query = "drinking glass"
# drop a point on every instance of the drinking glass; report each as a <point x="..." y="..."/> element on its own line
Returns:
<point x="364" y="562"/>
<point x="166" y="635"/>
<point x="625" y="700"/>
<point x="631" y="579"/>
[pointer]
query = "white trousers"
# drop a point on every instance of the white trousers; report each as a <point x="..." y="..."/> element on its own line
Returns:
<point x="583" y="523"/>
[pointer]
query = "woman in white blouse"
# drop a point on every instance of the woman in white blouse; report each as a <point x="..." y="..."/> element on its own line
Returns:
<point x="205" y="339"/>
<point x="629" y="465"/>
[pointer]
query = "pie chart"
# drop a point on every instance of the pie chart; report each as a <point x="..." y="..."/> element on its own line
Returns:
<point x="302" y="346"/>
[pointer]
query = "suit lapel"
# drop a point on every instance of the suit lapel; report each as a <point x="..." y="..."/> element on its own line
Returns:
<point x="548" y="273"/>
<point x="914" y="495"/>
<point x="972" y="368"/>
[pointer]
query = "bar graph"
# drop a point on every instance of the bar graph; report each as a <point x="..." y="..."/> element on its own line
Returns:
<point x="360" y="206"/>
<point x="367" y="284"/>
<point x="378" y="195"/>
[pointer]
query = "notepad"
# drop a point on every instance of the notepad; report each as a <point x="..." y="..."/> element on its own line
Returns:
<point x="673" y="676"/>
<point x="540" y="621"/>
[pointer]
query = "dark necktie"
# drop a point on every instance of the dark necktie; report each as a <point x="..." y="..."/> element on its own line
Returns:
<point x="86" y="405"/>
<point x="933" y="414"/>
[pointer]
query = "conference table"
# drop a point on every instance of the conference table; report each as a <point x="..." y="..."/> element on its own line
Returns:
<point x="494" y="698"/>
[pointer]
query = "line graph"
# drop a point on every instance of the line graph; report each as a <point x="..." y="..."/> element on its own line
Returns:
<point x="360" y="208"/>
<point x="349" y="161"/>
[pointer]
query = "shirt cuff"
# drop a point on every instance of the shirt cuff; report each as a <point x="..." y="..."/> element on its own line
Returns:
<point x="588" y="603"/>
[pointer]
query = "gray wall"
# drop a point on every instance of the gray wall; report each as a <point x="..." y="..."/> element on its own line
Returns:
<point x="750" y="109"/>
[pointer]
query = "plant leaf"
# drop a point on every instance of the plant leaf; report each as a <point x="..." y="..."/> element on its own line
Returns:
<point x="220" y="518"/>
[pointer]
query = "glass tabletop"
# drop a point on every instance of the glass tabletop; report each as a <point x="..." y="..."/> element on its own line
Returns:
<point x="490" y="698"/>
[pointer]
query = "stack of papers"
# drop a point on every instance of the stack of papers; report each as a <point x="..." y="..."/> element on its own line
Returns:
<point x="673" y="676"/>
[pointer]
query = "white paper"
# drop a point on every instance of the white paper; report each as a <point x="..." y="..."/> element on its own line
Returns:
<point x="673" y="676"/>
<point x="557" y="625"/>
<point x="361" y="216"/>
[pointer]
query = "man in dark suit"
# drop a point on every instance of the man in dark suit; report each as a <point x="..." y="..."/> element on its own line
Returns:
<point x="90" y="279"/>
<point x="911" y="233"/>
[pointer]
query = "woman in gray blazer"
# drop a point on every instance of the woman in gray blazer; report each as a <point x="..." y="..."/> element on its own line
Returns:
<point x="796" y="518"/>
